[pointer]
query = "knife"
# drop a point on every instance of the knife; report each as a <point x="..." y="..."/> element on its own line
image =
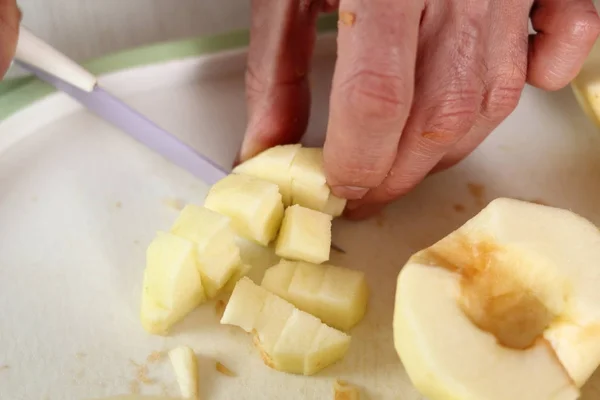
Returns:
<point x="50" y="65"/>
<point x="53" y="67"/>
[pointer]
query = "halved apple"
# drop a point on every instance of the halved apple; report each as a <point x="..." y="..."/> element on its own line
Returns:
<point x="172" y="284"/>
<point x="289" y="339"/>
<point x="505" y="307"/>
<point x="273" y="165"/>
<point x="305" y="234"/>
<point x="217" y="255"/>
<point x="254" y="206"/>
<point x="338" y="296"/>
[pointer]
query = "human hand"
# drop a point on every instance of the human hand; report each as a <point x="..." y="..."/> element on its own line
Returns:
<point x="418" y="84"/>
<point x="10" y="17"/>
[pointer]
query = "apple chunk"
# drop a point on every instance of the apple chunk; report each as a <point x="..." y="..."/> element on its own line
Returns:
<point x="273" y="165"/>
<point x="338" y="296"/>
<point x="305" y="235"/>
<point x="505" y="307"/>
<point x="172" y="284"/>
<point x="586" y="85"/>
<point x="290" y="340"/>
<point x="253" y="205"/>
<point x="309" y="184"/>
<point x="217" y="255"/>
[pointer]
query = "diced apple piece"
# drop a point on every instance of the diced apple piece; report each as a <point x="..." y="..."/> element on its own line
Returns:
<point x="273" y="165"/>
<point x="335" y="206"/>
<point x="343" y="297"/>
<point x="185" y="365"/>
<point x="245" y="304"/>
<point x="218" y="256"/>
<point x="239" y="273"/>
<point x="304" y="235"/>
<point x="270" y="322"/>
<point x="275" y="329"/>
<point x="305" y="285"/>
<point x="278" y="277"/>
<point x="172" y="284"/>
<point x="505" y="307"/>
<point x="295" y="342"/>
<point x="328" y="347"/>
<point x="254" y="206"/>
<point x="338" y="296"/>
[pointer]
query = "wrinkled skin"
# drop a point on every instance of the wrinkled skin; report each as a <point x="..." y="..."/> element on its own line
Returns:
<point x="418" y="84"/>
<point x="10" y="16"/>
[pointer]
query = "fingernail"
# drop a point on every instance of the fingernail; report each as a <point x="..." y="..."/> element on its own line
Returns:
<point x="350" y="192"/>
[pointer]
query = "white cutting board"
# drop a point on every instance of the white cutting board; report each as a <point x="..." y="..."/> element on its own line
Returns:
<point x="79" y="202"/>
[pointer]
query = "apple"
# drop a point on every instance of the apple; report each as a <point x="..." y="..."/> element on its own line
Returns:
<point x="299" y="173"/>
<point x="505" y="307"/>
<point x="305" y="234"/>
<point x="290" y="340"/>
<point x="338" y="296"/>
<point x="586" y="85"/>
<point x="273" y="165"/>
<point x="185" y="365"/>
<point x="172" y="285"/>
<point x="254" y="206"/>
<point x="217" y="255"/>
<point x="239" y="273"/>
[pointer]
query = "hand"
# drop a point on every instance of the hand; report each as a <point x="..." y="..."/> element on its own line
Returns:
<point x="418" y="84"/>
<point x="10" y="17"/>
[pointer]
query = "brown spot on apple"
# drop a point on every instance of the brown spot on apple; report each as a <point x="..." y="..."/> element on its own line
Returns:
<point x="493" y="299"/>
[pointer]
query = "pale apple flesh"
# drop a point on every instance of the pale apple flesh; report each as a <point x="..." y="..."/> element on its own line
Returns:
<point x="185" y="365"/>
<point x="586" y="85"/>
<point x="254" y="206"/>
<point x="506" y="307"/>
<point x="273" y="165"/>
<point x="172" y="286"/>
<point x="304" y="235"/>
<point x="290" y="340"/>
<point x="338" y="296"/>
<point x="217" y="255"/>
<point x="299" y="174"/>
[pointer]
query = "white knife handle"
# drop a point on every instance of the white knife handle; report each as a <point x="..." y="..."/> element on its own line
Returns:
<point x="34" y="51"/>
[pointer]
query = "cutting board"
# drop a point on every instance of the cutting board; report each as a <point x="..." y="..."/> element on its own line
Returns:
<point x="80" y="201"/>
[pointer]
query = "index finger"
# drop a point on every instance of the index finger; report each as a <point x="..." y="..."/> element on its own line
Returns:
<point x="9" y="28"/>
<point x="372" y="91"/>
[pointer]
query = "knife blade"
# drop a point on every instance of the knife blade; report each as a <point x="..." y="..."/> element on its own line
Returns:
<point x="136" y="125"/>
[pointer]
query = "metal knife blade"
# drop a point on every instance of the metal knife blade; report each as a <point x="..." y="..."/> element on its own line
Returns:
<point x="130" y="121"/>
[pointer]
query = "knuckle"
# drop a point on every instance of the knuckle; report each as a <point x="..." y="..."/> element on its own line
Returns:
<point x="454" y="114"/>
<point x="376" y="97"/>
<point x="398" y="186"/>
<point x="502" y="96"/>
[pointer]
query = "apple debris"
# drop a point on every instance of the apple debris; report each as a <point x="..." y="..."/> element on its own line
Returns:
<point x="290" y="340"/>
<point x="172" y="286"/>
<point x="343" y="390"/>
<point x="224" y="370"/>
<point x="185" y="365"/>
<point x="505" y="307"/>
<point x="337" y="296"/>
<point x="305" y="235"/>
<point x="254" y="206"/>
